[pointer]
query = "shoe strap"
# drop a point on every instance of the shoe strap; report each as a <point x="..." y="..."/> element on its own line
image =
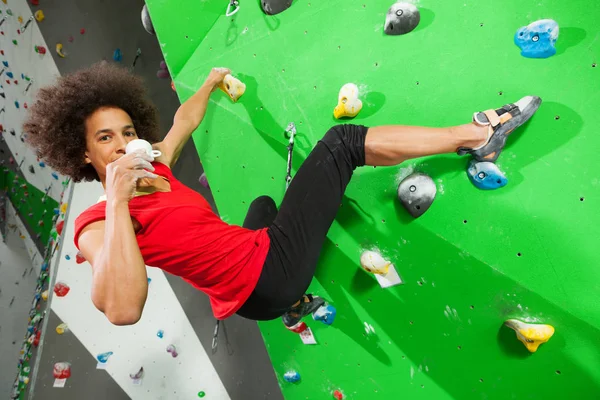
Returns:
<point x="492" y="117"/>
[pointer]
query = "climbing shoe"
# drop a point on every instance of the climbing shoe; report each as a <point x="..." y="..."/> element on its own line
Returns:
<point x="292" y="319"/>
<point x="501" y="123"/>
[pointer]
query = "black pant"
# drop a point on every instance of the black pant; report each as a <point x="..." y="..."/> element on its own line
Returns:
<point x="298" y="230"/>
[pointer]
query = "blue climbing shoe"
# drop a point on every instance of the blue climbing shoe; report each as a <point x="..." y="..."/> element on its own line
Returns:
<point x="308" y="304"/>
<point x="501" y="123"/>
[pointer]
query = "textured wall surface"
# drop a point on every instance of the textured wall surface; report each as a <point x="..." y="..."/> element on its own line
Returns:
<point x="476" y="258"/>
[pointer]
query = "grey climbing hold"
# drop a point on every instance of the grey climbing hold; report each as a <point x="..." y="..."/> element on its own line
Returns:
<point x="146" y="21"/>
<point x="272" y="7"/>
<point x="401" y="18"/>
<point x="416" y="193"/>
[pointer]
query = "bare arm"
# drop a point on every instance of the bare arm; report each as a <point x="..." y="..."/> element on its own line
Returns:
<point x="120" y="284"/>
<point x="188" y="117"/>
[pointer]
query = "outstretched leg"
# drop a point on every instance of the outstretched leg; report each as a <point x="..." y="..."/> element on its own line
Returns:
<point x="315" y="194"/>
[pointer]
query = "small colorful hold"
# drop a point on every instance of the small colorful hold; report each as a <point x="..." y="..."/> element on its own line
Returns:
<point x="349" y="105"/>
<point x="538" y="39"/>
<point x="291" y="376"/>
<point x="203" y="180"/>
<point x="39" y="15"/>
<point x="59" y="50"/>
<point x="61" y="370"/>
<point x="117" y="55"/>
<point x="531" y="335"/>
<point x="61" y="289"/>
<point x="486" y="175"/>
<point x="62" y="328"/>
<point x="325" y="314"/>
<point x="172" y="350"/>
<point x="103" y="357"/>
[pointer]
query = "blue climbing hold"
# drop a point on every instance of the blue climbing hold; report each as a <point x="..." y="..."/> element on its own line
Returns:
<point x="5" y="63"/>
<point x="149" y="280"/>
<point x="103" y="358"/>
<point x="17" y="104"/>
<point x="55" y="175"/>
<point x="45" y="266"/>
<point x="325" y="314"/>
<point x="56" y="211"/>
<point x="10" y="75"/>
<point x="291" y="376"/>
<point x="486" y="175"/>
<point x="68" y="257"/>
<point x="42" y="164"/>
<point x="537" y="40"/>
<point x="160" y="333"/>
<point x="117" y="56"/>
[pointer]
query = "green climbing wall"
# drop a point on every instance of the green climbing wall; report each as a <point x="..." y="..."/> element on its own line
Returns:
<point x="476" y="258"/>
<point x="27" y="200"/>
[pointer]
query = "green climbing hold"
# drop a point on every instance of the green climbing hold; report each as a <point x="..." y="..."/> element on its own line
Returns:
<point x="201" y="394"/>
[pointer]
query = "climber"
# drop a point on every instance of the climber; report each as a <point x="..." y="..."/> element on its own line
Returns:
<point x="261" y="270"/>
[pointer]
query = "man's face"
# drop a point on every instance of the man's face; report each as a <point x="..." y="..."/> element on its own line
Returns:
<point x="107" y="132"/>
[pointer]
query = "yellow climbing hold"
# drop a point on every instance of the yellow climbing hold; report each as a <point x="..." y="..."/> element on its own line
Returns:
<point x="233" y="87"/>
<point x="62" y="328"/>
<point x="59" y="50"/>
<point x="39" y="15"/>
<point x="63" y="208"/>
<point x="531" y="335"/>
<point x="349" y="105"/>
<point x="20" y="19"/>
<point x="45" y="295"/>
<point x="374" y="263"/>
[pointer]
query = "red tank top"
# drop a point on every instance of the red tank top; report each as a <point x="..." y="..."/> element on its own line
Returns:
<point x="181" y="235"/>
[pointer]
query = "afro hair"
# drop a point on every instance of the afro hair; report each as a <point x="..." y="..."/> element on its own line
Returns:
<point x="55" y="125"/>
